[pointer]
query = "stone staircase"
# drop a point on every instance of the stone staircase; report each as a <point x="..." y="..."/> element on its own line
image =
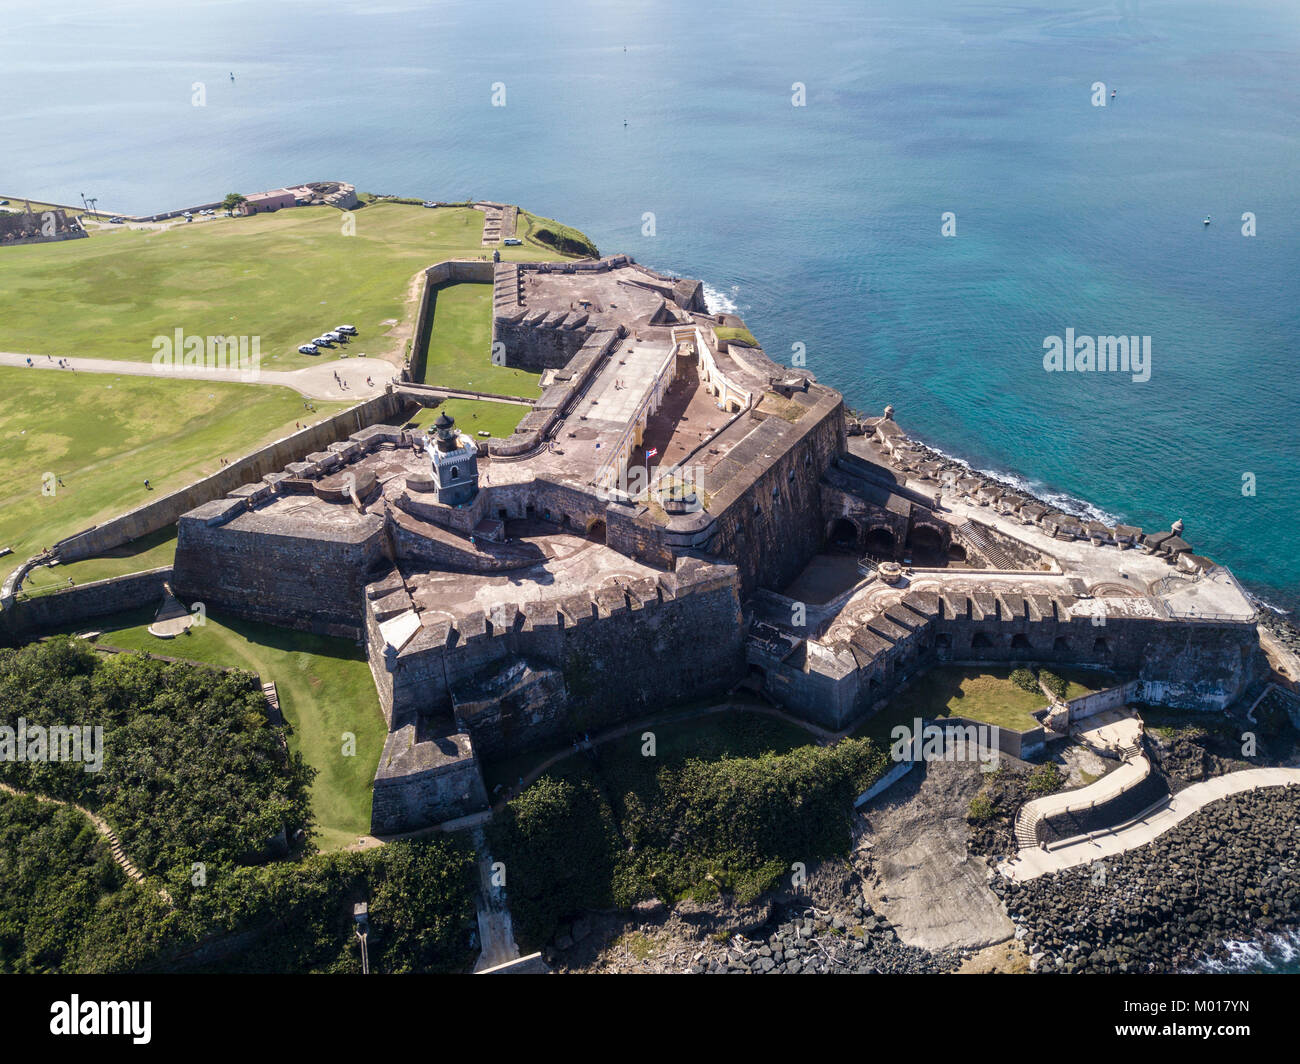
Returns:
<point x="974" y="536"/>
<point x="1027" y="831"/>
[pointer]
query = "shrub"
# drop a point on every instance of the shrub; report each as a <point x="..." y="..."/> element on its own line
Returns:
<point x="981" y="807"/>
<point x="1045" y="779"/>
<point x="1024" y="679"/>
<point x="1053" y="683"/>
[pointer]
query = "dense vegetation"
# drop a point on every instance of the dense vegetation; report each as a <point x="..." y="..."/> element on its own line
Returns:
<point x="195" y="783"/>
<point x="635" y="828"/>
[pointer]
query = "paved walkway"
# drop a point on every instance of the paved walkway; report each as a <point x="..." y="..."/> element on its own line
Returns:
<point x="1031" y="863"/>
<point x="314" y="382"/>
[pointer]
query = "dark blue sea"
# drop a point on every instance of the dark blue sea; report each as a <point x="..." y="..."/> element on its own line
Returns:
<point x="821" y="223"/>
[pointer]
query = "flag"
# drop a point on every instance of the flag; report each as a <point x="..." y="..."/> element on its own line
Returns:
<point x="651" y="453"/>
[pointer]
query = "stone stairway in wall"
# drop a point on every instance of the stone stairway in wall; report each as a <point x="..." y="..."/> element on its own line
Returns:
<point x="992" y="553"/>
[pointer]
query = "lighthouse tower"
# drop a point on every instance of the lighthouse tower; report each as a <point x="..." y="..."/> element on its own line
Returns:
<point x="455" y="462"/>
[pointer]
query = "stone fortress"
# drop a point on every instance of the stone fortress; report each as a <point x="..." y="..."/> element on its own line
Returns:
<point x="675" y="516"/>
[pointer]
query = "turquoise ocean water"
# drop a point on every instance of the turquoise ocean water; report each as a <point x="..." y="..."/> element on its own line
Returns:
<point x="821" y="223"/>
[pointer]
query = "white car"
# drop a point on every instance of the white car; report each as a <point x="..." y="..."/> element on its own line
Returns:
<point x="347" y="330"/>
<point x="323" y="341"/>
<point x="309" y="349"/>
<point x="337" y="337"/>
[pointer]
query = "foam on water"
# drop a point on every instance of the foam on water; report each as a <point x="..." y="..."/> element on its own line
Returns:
<point x="1273" y="953"/>
<point x="720" y="302"/>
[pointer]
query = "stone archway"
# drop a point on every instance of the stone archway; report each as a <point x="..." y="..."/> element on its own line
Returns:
<point x="880" y="542"/>
<point x="596" y="530"/>
<point x="844" y="534"/>
<point x="927" y="540"/>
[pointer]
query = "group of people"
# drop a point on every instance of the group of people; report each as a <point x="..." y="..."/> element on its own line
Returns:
<point x="64" y="363"/>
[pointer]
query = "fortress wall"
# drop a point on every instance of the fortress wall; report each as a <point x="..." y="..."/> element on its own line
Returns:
<point x="535" y="348"/>
<point x="1199" y="664"/>
<point x="450" y="271"/>
<point x="310" y="582"/>
<point x="777" y="524"/>
<point x="252" y="467"/>
<point x="622" y="654"/>
<point x="73" y="605"/>
<point x="448" y="787"/>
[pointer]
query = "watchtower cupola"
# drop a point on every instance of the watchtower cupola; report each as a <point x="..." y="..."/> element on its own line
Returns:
<point x="454" y="458"/>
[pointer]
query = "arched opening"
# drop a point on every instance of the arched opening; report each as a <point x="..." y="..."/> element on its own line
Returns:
<point x="1061" y="645"/>
<point x="1100" y="646"/>
<point x="943" y="641"/>
<point x="455" y="473"/>
<point x="881" y="543"/>
<point x="844" y="533"/>
<point x="596" y="531"/>
<point x="926" y="545"/>
<point x="956" y="552"/>
<point x="1020" y="641"/>
<point x="980" y="640"/>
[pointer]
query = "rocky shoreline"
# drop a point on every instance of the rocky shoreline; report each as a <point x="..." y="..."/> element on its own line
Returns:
<point x="1230" y="872"/>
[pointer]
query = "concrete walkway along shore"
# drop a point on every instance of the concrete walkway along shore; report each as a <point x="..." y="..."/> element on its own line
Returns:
<point x="1032" y="863"/>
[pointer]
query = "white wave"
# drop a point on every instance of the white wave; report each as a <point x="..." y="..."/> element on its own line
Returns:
<point x="1267" y="954"/>
<point x="720" y="302"/>
<point x="1058" y="500"/>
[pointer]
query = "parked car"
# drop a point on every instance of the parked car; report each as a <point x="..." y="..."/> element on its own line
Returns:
<point x="308" y="349"/>
<point x="117" y="221"/>
<point x="4" y="203"/>
<point x="429" y="203"/>
<point x="346" y="330"/>
<point x="337" y="337"/>
<point x="323" y="341"/>
<point x="512" y="242"/>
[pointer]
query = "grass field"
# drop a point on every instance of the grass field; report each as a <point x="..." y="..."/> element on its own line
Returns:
<point x="104" y="435"/>
<point x="473" y="415"/>
<point x="325" y="690"/>
<point x="460" y="345"/>
<point x="284" y="277"/>
<point x="981" y="694"/>
<point x="147" y="552"/>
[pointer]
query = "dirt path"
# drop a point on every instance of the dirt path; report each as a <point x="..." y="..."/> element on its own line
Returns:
<point x="114" y="843"/>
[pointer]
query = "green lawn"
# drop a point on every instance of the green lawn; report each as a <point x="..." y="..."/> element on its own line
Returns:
<point x="148" y="552"/>
<point x="982" y="694"/>
<point x="284" y="277"/>
<point x="460" y="345"/>
<point x="104" y="435"/>
<point x="325" y="690"/>
<point x="473" y="415"/>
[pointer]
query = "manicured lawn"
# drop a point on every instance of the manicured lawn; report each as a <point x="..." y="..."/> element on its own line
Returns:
<point x="473" y="415"/>
<point x="284" y="277"/>
<point x="325" y="690"/>
<point x="104" y="435"/>
<point x="148" y="552"/>
<point x="980" y="694"/>
<point x="460" y="345"/>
